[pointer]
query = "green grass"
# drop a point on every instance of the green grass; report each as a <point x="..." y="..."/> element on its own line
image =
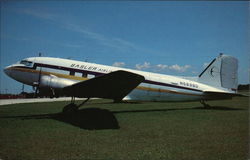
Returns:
<point x="104" y="130"/>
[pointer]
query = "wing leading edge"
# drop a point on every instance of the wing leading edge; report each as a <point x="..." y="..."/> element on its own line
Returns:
<point x="115" y="85"/>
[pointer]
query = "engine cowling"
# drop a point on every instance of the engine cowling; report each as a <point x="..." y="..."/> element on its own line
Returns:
<point x="54" y="82"/>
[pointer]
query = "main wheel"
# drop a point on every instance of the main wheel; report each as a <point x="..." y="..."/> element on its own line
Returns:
<point x="118" y="101"/>
<point x="70" y="108"/>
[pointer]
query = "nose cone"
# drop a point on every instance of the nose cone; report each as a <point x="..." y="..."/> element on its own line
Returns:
<point x="7" y="70"/>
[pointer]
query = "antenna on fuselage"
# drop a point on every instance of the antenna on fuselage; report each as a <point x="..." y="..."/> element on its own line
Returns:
<point x="40" y="54"/>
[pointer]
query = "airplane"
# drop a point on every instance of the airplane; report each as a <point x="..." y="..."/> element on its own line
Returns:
<point x="64" y="77"/>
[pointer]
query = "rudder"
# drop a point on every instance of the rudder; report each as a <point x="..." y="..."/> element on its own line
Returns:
<point x="221" y="72"/>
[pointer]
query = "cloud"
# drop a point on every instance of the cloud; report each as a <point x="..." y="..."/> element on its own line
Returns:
<point x="5" y="36"/>
<point x="118" y="64"/>
<point x="116" y="43"/>
<point x="178" y="68"/>
<point x="161" y="66"/>
<point x="82" y="30"/>
<point x="39" y="14"/>
<point x="71" y="45"/>
<point x="119" y="44"/>
<point x="146" y="65"/>
<point x="112" y="42"/>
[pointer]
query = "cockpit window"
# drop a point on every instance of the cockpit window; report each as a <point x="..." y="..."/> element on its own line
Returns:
<point x="26" y="63"/>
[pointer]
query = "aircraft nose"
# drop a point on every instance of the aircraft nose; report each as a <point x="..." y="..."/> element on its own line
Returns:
<point x="7" y="70"/>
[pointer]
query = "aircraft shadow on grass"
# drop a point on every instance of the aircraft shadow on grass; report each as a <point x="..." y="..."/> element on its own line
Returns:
<point x="98" y="119"/>
<point x="89" y="118"/>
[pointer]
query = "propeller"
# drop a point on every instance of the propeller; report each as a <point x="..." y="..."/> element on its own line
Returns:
<point x="37" y="85"/>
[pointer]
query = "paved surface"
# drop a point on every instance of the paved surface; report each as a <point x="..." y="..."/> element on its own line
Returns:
<point x="32" y="100"/>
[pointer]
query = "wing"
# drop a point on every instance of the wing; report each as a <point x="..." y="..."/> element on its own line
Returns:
<point x="115" y="85"/>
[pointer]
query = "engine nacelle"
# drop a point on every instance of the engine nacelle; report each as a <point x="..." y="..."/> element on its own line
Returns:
<point x="55" y="82"/>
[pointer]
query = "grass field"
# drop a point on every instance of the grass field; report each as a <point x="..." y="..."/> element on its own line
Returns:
<point x="102" y="130"/>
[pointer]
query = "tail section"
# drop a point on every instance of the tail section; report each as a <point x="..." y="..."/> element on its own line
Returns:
<point x="221" y="72"/>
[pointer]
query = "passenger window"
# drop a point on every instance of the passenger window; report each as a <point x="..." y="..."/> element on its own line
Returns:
<point x="78" y="74"/>
<point x="91" y="76"/>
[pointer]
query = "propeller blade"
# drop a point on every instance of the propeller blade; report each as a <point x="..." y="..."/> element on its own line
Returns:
<point x="37" y="87"/>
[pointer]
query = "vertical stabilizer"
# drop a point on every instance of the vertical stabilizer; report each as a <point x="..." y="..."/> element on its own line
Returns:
<point x="221" y="72"/>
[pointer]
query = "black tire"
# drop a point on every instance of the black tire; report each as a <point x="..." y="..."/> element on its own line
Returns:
<point x="70" y="108"/>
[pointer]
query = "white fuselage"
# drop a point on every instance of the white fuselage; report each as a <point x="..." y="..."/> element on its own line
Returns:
<point x="58" y="73"/>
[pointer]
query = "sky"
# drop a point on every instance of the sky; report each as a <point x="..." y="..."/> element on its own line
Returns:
<point x="168" y="37"/>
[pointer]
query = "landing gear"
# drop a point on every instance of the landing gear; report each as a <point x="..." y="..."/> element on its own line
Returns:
<point x="118" y="101"/>
<point x="205" y="104"/>
<point x="83" y="102"/>
<point x="72" y="107"/>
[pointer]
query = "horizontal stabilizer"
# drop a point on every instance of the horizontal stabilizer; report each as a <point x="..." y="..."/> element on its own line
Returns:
<point x="222" y="95"/>
<point x="115" y="85"/>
